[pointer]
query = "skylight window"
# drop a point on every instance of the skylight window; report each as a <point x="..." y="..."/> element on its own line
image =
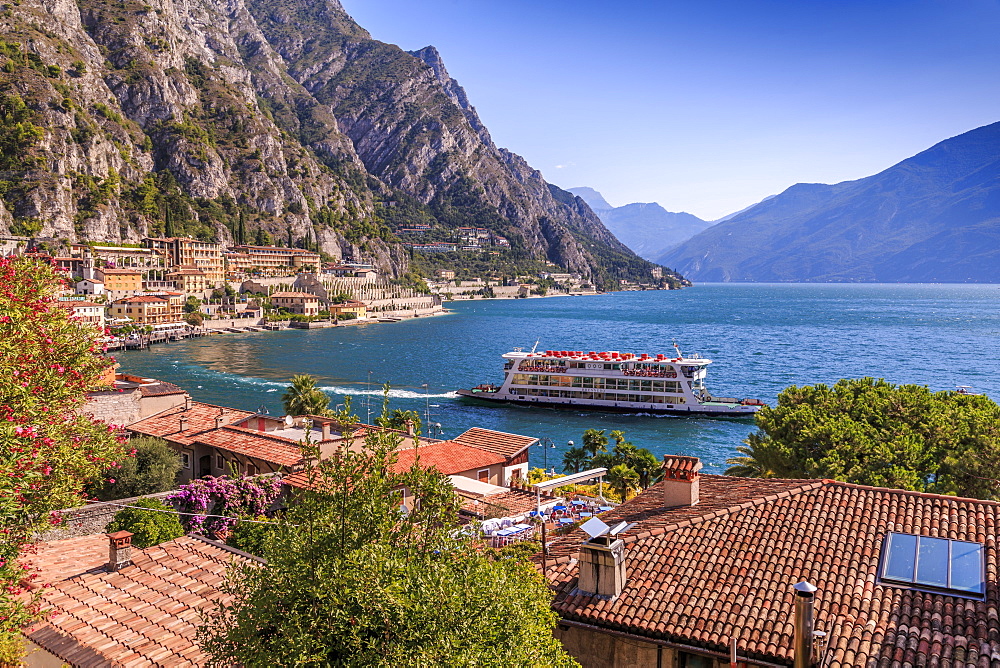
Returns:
<point x="934" y="564"/>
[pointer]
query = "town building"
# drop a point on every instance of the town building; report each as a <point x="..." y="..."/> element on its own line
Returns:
<point x="836" y="574"/>
<point x="436" y="247"/>
<point x="150" y="309"/>
<point x="90" y="286"/>
<point x="109" y="603"/>
<point x="275" y="261"/>
<point x="130" y="398"/>
<point x="351" y="270"/>
<point x="351" y="306"/>
<point x="68" y="266"/>
<point x="186" y="252"/>
<point x="85" y="311"/>
<point x="119" y="282"/>
<point x="190" y="280"/>
<point x="121" y="257"/>
<point x="302" y="303"/>
<point x="445" y="274"/>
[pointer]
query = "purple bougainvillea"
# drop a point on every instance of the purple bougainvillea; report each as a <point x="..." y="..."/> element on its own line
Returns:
<point x="232" y="497"/>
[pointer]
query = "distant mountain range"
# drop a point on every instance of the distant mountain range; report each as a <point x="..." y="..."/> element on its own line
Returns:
<point x="648" y="229"/>
<point x="934" y="217"/>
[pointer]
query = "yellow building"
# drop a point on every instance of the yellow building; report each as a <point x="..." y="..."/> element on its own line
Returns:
<point x="350" y="306"/>
<point x="274" y="261"/>
<point x="302" y="303"/>
<point x="120" y="280"/>
<point x="180" y="252"/>
<point x="150" y="309"/>
<point x="190" y="280"/>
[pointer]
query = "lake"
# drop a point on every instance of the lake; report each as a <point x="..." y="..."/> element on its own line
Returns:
<point x="761" y="338"/>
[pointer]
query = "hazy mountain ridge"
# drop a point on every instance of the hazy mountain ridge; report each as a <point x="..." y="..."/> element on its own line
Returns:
<point x="285" y="114"/>
<point x="934" y="217"/>
<point x="646" y="228"/>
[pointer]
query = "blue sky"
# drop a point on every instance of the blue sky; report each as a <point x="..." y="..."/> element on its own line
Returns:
<point x="708" y="107"/>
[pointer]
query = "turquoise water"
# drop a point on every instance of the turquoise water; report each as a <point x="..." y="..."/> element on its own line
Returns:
<point x="762" y="338"/>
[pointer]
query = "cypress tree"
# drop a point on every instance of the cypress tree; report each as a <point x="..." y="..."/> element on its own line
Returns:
<point x="168" y="221"/>
<point x="241" y="232"/>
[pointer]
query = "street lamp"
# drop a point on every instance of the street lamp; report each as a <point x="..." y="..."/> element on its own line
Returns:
<point x="545" y="444"/>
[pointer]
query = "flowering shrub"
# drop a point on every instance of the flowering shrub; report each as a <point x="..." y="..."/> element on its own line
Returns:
<point x="48" y="450"/>
<point x="232" y="497"/>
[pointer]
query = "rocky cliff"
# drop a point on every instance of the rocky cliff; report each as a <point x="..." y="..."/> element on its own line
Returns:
<point x="257" y="120"/>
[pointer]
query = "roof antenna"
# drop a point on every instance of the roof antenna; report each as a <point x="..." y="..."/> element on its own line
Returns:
<point x="534" y="346"/>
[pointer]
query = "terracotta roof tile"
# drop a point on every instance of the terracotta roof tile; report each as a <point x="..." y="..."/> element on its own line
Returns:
<point x="256" y="444"/>
<point x="500" y="442"/>
<point x="200" y="419"/>
<point x="448" y="457"/>
<point x="701" y="574"/>
<point x="143" y="614"/>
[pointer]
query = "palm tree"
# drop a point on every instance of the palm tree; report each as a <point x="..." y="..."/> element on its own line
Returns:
<point x="303" y="398"/>
<point x="762" y="458"/>
<point x="623" y="480"/>
<point x="595" y="441"/>
<point x="575" y="459"/>
<point x="649" y="468"/>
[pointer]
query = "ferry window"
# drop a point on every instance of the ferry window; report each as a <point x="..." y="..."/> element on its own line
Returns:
<point x="599" y="383"/>
<point x="588" y="382"/>
<point x="577" y="381"/>
<point x="657" y="386"/>
<point x="938" y="564"/>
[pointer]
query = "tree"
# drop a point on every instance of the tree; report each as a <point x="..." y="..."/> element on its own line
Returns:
<point x="575" y="459"/>
<point x="352" y="581"/>
<point x="623" y="480"/>
<point x="872" y="432"/>
<point x="152" y="467"/>
<point x="192" y="304"/>
<point x="398" y="419"/>
<point x="241" y="230"/>
<point x="149" y="527"/>
<point x="194" y="319"/>
<point x="303" y="398"/>
<point x="595" y="441"/>
<point x="49" y="450"/>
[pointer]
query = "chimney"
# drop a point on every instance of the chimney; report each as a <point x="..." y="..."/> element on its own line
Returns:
<point x="325" y="430"/>
<point x="680" y="480"/>
<point x="183" y="422"/>
<point x="119" y="550"/>
<point x="410" y="428"/>
<point x="220" y="419"/>
<point x="602" y="567"/>
<point x="804" y="624"/>
<point x="187" y="402"/>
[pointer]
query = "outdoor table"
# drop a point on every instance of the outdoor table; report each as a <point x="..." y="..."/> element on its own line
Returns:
<point x="521" y="527"/>
<point x="565" y="520"/>
<point x="586" y="514"/>
<point x="579" y="503"/>
<point x="605" y="509"/>
<point x="558" y="507"/>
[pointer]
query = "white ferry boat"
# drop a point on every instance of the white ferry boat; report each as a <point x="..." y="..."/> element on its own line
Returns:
<point x="610" y="381"/>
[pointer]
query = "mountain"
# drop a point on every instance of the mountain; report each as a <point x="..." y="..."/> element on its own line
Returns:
<point x="934" y="217"/>
<point x="594" y="199"/>
<point x="648" y="229"/>
<point x="283" y="119"/>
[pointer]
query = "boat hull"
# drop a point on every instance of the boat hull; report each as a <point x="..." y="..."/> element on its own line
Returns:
<point x="739" y="411"/>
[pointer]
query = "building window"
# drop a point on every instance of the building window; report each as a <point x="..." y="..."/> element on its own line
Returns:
<point x="220" y="462"/>
<point x="252" y="469"/>
<point x="483" y="476"/>
<point x="686" y="660"/>
<point x="933" y="564"/>
<point x="186" y="459"/>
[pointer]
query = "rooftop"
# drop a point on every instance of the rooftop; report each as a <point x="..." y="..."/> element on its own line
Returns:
<point x="448" y="457"/>
<point x="143" y="614"/>
<point x="200" y="420"/>
<point x="499" y="442"/>
<point x="700" y="575"/>
<point x="300" y="295"/>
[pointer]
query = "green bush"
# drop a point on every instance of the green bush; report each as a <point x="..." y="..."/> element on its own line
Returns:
<point x="152" y="469"/>
<point x="251" y="537"/>
<point x="149" y="528"/>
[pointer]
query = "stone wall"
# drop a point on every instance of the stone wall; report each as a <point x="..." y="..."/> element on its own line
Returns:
<point x="595" y="649"/>
<point x="114" y="407"/>
<point x="91" y="518"/>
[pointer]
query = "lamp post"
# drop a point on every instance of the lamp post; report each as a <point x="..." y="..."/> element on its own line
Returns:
<point x="545" y="444"/>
